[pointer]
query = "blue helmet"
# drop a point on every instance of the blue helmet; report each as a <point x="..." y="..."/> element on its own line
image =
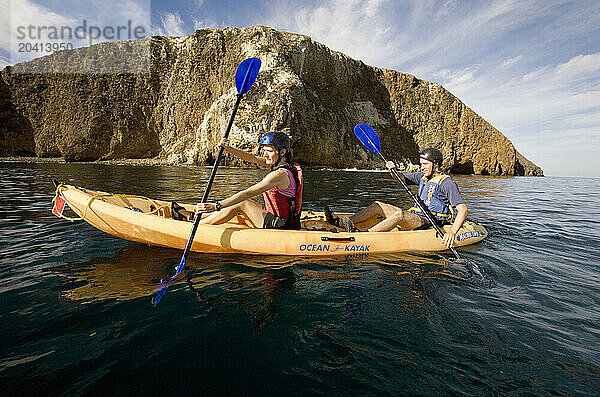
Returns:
<point x="276" y="138"/>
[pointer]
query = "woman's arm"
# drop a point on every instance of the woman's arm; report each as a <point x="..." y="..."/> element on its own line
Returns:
<point x="277" y="178"/>
<point x="249" y="157"/>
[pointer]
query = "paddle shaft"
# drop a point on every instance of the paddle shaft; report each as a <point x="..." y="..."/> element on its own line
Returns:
<point x="188" y="246"/>
<point x="419" y="204"/>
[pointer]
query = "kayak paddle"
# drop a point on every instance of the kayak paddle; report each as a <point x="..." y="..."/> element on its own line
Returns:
<point x="367" y="135"/>
<point x="244" y="78"/>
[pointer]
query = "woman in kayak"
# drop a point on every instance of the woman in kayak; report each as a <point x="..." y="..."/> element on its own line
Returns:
<point x="281" y="189"/>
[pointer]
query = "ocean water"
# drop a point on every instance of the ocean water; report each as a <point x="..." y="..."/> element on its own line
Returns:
<point x="77" y="316"/>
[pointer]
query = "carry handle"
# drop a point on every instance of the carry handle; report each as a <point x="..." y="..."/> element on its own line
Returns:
<point x="338" y="239"/>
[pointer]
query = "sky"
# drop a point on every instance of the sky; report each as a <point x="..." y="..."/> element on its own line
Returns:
<point x="531" y="68"/>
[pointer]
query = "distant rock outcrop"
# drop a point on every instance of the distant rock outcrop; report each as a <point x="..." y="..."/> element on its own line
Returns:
<point x="179" y="109"/>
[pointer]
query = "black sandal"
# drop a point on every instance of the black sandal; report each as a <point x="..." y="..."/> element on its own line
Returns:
<point x="344" y="222"/>
<point x="175" y="214"/>
<point x="335" y="221"/>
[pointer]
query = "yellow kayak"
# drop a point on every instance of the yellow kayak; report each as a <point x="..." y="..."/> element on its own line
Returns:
<point x="149" y="221"/>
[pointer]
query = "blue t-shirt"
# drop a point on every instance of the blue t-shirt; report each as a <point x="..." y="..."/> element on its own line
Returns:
<point x="448" y="190"/>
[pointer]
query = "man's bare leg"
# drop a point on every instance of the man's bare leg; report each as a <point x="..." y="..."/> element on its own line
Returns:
<point x="377" y="208"/>
<point x="406" y="220"/>
<point x="393" y="216"/>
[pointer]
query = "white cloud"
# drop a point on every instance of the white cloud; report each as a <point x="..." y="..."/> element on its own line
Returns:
<point x="171" y="25"/>
<point x="458" y="77"/>
<point x="25" y="13"/>
<point x="204" y="24"/>
<point x="4" y="62"/>
<point x="511" y="62"/>
<point x="553" y="109"/>
<point x="444" y="10"/>
<point x="412" y="35"/>
<point x="558" y="90"/>
<point x="67" y="13"/>
<point x="579" y="67"/>
<point x="372" y="7"/>
<point x="359" y="28"/>
<point x="4" y="25"/>
<point x="136" y="10"/>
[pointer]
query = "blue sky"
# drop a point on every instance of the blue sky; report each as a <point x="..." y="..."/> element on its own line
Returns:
<point x="531" y="68"/>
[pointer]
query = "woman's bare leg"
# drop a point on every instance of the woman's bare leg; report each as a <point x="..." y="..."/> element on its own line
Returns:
<point x="253" y="211"/>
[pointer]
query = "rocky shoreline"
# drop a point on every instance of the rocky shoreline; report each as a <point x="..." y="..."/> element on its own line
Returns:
<point x="156" y="162"/>
<point x="61" y="160"/>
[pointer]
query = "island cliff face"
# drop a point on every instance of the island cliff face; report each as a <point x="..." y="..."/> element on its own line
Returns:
<point x="178" y="110"/>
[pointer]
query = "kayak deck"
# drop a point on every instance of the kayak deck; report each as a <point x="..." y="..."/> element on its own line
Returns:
<point x="149" y="221"/>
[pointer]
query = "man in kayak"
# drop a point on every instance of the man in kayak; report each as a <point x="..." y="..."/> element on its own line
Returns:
<point x="437" y="192"/>
<point x="281" y="189"/>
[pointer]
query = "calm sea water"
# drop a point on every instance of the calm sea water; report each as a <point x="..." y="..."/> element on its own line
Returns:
<point x="77" y="318"/>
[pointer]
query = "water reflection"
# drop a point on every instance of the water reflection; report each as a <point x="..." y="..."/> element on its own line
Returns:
<point x="131" y="273"/>
<point x="252" y="284"/>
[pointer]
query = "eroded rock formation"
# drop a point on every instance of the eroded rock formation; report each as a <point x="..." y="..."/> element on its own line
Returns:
<point x="179" y="108"/>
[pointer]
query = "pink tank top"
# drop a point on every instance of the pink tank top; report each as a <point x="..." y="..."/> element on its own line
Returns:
<point x="291" y="189"/>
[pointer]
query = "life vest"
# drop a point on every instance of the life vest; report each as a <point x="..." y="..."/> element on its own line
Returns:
<point x="429" y="196"/>
<point x="284" y="206"/>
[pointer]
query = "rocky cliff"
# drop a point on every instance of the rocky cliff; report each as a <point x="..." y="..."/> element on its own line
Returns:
<point x="178" y="109"/>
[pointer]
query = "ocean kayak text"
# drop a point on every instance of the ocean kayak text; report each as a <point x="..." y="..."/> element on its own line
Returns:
<point x="334" y="248"/>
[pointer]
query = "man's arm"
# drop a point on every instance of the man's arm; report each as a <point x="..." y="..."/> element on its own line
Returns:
<point x="450" y="193"/>
<point x="408" y="178"/>
<point x="456" y="225"/>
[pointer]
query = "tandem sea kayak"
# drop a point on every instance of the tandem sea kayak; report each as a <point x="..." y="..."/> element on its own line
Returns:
<point x="149" y="221"/>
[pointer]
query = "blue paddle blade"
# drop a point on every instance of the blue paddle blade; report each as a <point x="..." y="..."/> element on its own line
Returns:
<point x="159" y="294"/>
<point x="367" y="135"/>
<point x="246" y="74"/>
